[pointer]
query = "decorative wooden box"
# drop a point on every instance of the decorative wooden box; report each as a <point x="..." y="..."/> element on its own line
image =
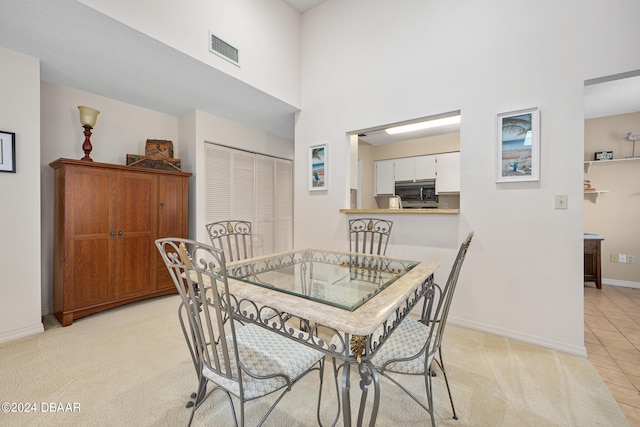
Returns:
<point x="162" y="163"/>
<point x="158" y="154"/>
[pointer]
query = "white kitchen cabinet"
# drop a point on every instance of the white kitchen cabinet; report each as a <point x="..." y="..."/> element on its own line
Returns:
<point x="425" y="167"/>
<point x="415" y="168"/>
<point x="444" y="168"/>
<point x="405" y="169"/>
<point x="448" y="172"/>
<point x="384" y="177"/>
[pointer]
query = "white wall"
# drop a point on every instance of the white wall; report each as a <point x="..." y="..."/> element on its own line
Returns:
<point x="266" y="34"/>
<point x="20" y="195"/>
<point x="523" y="274"/>
<point x="121" y="129"/>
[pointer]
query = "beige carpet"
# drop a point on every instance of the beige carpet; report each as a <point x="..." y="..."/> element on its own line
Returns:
<point x="129" y="367"/>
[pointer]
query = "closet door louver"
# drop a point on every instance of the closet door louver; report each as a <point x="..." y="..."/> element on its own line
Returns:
<point x="264" y="241"/>
<point x="283" y="205"/>
<point x="243" y="195"/>
<point x="218" y="187"/>
<point x="251" y="187"/>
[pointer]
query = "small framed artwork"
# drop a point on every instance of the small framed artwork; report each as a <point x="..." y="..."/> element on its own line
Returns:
<point x="318" y="167"/>
<point x="519" y="146"/>
<point x="7" y="152"/>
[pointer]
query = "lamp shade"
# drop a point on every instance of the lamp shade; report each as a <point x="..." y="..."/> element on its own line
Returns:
<point x="88" y="116"/>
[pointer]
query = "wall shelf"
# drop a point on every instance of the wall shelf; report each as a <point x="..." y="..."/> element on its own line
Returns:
<point x="588" y="163"/>
<point x="597" y="193"/>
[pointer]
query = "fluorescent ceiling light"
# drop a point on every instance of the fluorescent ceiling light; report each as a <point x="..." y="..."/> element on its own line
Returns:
<point x="424" y="125"/>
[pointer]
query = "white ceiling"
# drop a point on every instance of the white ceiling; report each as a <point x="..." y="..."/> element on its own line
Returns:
<point x="304" y="5"/>
<point x="380" y="137"/>
<point x="81" y="48"/>
<point x="609" y="97"/>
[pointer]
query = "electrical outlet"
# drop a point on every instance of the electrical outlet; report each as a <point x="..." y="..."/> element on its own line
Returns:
<point x="622" y="258"/>
<point x="446" y="205"/>
<point x="614" y="258"/>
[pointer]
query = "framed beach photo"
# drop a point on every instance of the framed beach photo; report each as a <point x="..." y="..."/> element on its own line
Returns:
<point x="318" y="167"/>
<point x="7" y="152"/>
<point x="519" y="146"/>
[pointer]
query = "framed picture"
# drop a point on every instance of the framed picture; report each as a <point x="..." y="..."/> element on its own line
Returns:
<point x="318" y="167"/>
<point x="7" y="152"/>
<point x="519" y="146"/>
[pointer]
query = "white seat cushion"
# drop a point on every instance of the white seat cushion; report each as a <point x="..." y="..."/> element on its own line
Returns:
<point x="264" y="353"/>
<point x="407" y="340"/>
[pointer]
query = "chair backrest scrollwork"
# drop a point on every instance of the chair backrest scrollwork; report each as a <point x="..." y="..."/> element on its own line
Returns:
<point x="233" y="237"/>
<point x="369" y="235"/>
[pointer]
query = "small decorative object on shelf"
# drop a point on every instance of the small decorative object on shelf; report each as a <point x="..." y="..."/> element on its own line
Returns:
<point x="603" y="155"/>
<point x="88" y="117"/>
<point x="587" y="185"/>
<point x="158" y="148"/>
<point x="140" y="161"/>
<point x="158" y="154"/>
<point x="588" y="189"/>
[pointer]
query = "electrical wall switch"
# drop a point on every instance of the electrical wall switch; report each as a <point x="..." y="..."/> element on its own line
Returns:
<point x="631" y="259"/>
<point x="561" y="201"/>
<point x="622" y="258"/>
<point x="613" y="258"/>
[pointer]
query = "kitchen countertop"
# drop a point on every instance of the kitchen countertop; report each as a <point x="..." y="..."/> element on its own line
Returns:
<point x="593" y="236"/>
<point x="402" y="211"/>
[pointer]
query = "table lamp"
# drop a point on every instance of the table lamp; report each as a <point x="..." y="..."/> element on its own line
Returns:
<point x="88" y="117"/>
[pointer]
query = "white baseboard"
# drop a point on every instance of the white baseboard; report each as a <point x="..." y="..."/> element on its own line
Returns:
<point x="21" y="333"/>
<point x="624" y="283"/>
<point x="576" y="350"/>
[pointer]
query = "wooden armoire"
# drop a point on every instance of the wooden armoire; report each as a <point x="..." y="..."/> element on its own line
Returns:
<point x="107" y="218"/>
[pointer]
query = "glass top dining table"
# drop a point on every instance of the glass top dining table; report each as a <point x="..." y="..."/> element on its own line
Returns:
<point x="350" y="302"/>
<point x="346" y="292"/>
<point x="343" y="280"/>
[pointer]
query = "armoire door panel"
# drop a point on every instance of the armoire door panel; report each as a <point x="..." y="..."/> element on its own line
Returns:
<point x="86" y="214"/>
<point x="89" y="222"/>
<point x="90" y="267"/>
<point x="138" y="196"/>
<point x="134" y="259"/>
<point x="137" y="228"/>
<point x="170" y="207"/>
<point x="172" y="213"/>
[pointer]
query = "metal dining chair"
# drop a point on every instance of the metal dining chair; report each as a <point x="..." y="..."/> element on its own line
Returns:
<point x="369" y="235"/>
<point x="234" y="237"/>
<point x="416" y="344"/>
<point x="246" y="362"/>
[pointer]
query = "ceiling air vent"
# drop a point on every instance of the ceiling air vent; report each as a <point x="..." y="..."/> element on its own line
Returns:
<point x="223" y="49"/>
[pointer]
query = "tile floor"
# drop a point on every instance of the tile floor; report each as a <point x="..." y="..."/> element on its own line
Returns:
<point x="612" y="339"/>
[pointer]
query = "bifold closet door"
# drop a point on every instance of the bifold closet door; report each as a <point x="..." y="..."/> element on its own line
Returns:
<point x="251" y="187"/>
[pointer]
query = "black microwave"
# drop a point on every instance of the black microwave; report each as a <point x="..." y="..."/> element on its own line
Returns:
<point x="419" y="194"/>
